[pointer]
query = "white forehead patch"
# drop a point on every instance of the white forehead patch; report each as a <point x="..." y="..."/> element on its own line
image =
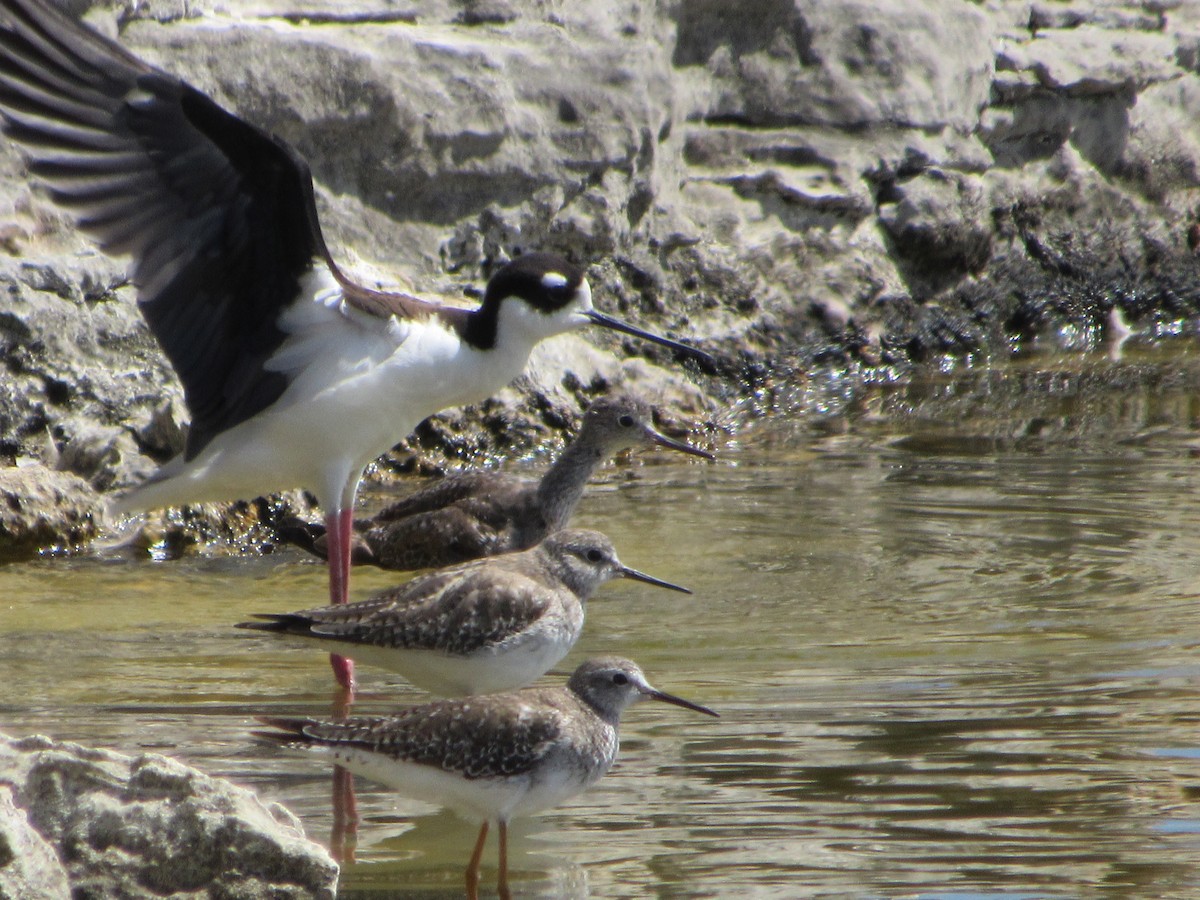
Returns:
<point x="554" y="280"/>
<point x="583" y="295"/>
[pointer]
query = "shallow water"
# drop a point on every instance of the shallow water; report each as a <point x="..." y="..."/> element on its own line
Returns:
<point x="951" y="628"/>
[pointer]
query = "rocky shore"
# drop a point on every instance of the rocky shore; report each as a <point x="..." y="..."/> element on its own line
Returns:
<point x="78" y="822"/>
<point x="792" y="184"/>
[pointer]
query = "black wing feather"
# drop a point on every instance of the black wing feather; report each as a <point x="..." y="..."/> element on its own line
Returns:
<point x="218" y="215"/>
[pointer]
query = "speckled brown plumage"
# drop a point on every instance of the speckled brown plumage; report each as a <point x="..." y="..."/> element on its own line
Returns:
<point x="477" y="514"/>
<point x="484" y="626"/>
<point x="492" y="757"/>
<point x="499" y="735"/>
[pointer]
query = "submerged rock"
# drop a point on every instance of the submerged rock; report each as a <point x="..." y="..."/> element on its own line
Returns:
<point x="144" y="827"/>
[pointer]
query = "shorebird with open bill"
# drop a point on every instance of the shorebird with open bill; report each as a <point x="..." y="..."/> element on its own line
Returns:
<point x="491" y="757"/>
<point x="474" y="514"/>
<point x="294" y="375"/>
<point x="491" y="625"/>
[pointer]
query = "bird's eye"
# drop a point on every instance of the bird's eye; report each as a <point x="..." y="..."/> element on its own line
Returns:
<point x="594" y="556"/>
<point x="625" y="421"/>
<point x="621" y="678"/>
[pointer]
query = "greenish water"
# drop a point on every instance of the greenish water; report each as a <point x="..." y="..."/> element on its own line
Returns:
<point x="951" y="627"/>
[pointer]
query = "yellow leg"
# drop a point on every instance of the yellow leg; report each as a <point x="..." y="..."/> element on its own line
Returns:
<point x="502" y="887"/>
<point x="473" y="867"/>
<point x="344" y="838"/>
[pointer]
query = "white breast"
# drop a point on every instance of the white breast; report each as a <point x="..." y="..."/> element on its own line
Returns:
<point x="503" y="668"/>
<point x="359" y="385"/>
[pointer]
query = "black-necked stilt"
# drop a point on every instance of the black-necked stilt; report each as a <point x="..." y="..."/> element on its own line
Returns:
<point x="475" y="514"/>
<point x="491" y="757"/>
<point x="491" y="625"/>
<point x="294" y="375"/>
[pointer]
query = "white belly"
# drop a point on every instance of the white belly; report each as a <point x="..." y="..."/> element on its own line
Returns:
<point x="480" y="798"/>
<point x="504" y="668"/>
<point x="355" y="394"/>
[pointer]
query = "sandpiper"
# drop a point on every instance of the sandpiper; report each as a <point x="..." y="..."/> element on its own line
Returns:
<point x="491" y="625"/>
<point x="295" y="376"/>
<point x="491" y="757"/>
<point x="474" y="514"/>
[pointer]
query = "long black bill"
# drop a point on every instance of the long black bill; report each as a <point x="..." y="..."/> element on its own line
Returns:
<point x="671" y="444"/>
<point x="650" y="579"/>
<point x="679" y="701"/>
<point x="601" y="319"/>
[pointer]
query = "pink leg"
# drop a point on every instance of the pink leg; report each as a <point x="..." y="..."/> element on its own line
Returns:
<point x="337" y="537"/>
<point x="338" y="525"/>
<point x="345" y="804"/>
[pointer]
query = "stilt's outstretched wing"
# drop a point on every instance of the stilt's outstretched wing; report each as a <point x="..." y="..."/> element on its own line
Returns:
<point x="218" y="215"/>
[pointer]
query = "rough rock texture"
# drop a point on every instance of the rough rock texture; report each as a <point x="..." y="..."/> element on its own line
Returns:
<point x="29" y="867"/>
<point x="793" y="183"/>
<point x="41" y="509"/>
<point x="145" y="827"/>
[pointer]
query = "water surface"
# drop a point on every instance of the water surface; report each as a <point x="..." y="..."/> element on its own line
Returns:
<point x="951" y="628"/>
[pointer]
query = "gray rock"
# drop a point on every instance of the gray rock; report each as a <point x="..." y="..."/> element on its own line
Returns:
<point x="854" y="64"/>
<point x="151" y="827"/>
<point x="939" y="228"/>
<point x="43" y="509"/>
<point x="1091" y="60"/>
<point x="29" y="867"/>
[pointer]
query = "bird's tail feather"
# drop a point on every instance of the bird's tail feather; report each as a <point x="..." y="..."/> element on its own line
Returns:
<point x="288" y="731"/>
